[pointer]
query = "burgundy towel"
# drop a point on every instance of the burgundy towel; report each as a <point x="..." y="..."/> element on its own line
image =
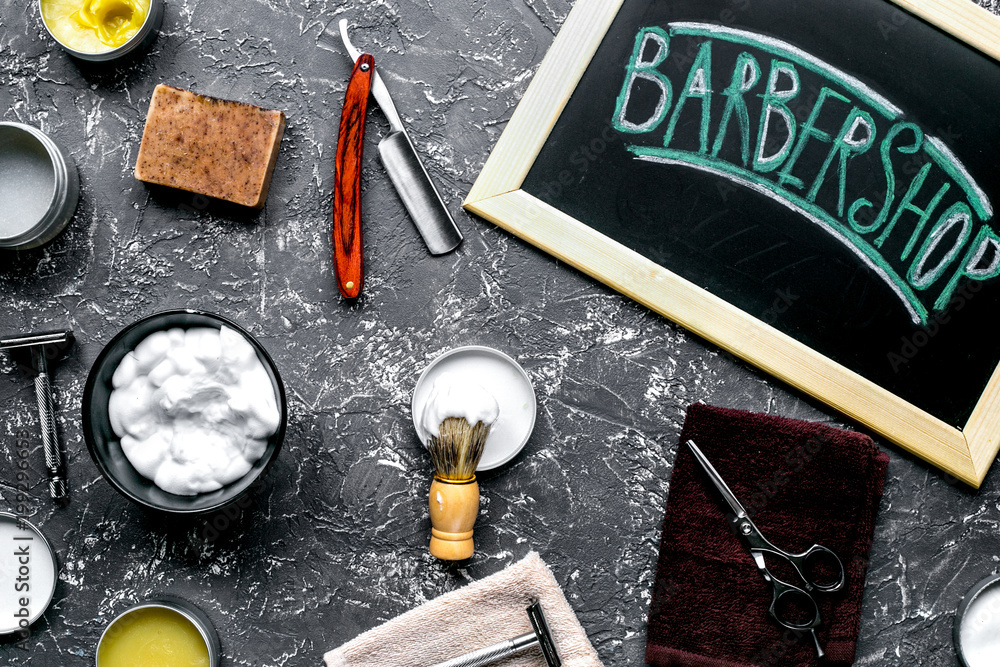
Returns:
<point x="802" y="484"/>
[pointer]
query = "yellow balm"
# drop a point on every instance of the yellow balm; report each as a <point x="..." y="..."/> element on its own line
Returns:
<point x="94" y="26"/>
<point x="152" y="637"/>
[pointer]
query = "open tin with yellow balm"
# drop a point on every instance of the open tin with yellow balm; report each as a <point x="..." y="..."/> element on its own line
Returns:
<point x="164" y="631"/>
<point x="102" y="30"/>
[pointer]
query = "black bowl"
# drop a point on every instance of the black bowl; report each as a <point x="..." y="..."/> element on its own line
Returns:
<point x="105" y="446"/>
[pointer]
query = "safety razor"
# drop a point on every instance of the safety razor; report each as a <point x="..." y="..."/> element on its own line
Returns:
<point x="39" y="349"/>
<point x="540" y="636"/>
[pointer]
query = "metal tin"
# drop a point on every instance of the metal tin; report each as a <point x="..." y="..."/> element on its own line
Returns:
<point x="36" y="547"/>
<point x="197" y="617"/>
<point x="977" y="641"/>
<point x="39" y="187"/>
<point x="505" y="379"/>
<point x="140" y="40"/>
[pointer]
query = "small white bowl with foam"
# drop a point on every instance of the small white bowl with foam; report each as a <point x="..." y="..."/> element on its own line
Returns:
<point x="499" y="375"/>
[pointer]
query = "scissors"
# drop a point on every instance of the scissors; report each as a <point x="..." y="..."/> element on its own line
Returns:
<point x="786" y="598"/>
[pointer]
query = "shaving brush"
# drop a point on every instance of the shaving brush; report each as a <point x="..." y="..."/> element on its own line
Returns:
<point x="454" y="497"/>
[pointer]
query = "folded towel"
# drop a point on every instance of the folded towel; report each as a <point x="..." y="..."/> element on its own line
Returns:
<point x="483" y="613"/>
<point x="802" y="484"/>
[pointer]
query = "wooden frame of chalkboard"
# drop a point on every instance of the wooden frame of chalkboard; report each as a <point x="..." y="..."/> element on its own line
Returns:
<point x="966" y="452"/>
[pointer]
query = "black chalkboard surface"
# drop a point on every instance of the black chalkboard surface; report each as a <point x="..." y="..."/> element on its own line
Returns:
<point x="827" y="167"/>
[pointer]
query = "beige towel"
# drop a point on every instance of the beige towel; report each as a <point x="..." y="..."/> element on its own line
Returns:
<point x="484" y="612"/>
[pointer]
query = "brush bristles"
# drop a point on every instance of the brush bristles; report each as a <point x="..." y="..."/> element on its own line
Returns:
<point x="457" y="451"/>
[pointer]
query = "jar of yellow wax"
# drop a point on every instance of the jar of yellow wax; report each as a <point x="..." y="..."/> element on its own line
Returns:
<point x="167" y="632"/>
<point x="100" y="30"/>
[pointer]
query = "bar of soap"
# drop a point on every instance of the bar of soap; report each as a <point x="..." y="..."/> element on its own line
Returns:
<point x="209" y="146"/>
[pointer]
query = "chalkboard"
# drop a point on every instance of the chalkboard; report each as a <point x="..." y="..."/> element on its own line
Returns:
<point x="809" y="185"/>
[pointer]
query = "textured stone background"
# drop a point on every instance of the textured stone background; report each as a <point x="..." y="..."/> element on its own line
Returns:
<point x="335" y="541"/>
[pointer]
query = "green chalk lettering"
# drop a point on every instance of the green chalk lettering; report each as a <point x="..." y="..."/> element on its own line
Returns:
<point x="638" y="68"/>
<point x="981" y="262"/>
<point x="953" y="249"/>
<point x="774" y="102"/>
<point x="809" y="130"/>
<point x="890" y="177"/>
<point x="951" y="166"/>
<point x="698" y="85"/>
<point x="921" y="277"/>
<point x="746" y="74"/>
<point x="856" y="136"/>
<point x="792" y="54"/>
<point x="923" y="214"/>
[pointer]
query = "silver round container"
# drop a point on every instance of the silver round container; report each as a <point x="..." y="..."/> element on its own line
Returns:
<point x="39" y="589"/>
<point x="39" y="187"/>
<point x="140" y="40"/>
<point x="196" y="616"/>
<point x="977" y="641"/>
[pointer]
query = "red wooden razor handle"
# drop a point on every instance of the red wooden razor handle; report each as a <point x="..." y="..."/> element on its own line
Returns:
<point x="347" y="259"/>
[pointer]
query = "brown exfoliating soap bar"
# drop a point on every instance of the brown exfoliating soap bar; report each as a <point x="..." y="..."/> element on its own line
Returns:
<point x="213" y="147"/>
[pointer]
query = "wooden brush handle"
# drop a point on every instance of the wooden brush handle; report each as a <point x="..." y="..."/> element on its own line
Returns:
<point x="454" y="508"/>
<point x="347" y="183"/>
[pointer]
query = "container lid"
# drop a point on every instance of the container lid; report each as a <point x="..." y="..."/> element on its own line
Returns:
<point x="28" y="573"/>
<point x="977" y="625"/>
<point x="500" y="375"/>
<point x="27" y="183"/>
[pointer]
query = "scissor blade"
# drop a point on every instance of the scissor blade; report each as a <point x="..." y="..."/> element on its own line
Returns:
<point x="717" y="480"/>
<point x="378" y="90"/>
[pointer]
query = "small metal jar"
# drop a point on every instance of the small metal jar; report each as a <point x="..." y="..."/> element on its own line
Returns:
<point x="196" y="616"/>
<point x="977" y="619"/>
<point x="35" y="548"/>
<point x="39" y="187"/>
<point x="140" y="40"/>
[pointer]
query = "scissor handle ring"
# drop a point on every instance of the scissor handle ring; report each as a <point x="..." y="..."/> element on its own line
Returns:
<point x="783" y="590"/>
<point x="799" y="561"/>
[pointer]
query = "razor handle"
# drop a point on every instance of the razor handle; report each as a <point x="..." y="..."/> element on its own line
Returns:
<point x="54" y="464"/>
<point x="490" y="654"/>
<point x="347" y="260"/>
